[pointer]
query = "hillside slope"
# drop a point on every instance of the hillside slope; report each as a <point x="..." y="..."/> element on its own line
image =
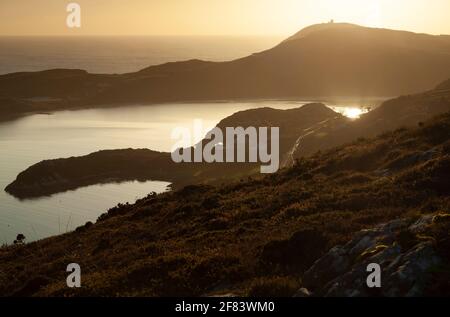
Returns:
<point x="320" y="61"/>
<point x="303" y="132"/>
<point x="58" y="175"/>
<point x="260" y="236"/>
<point x="404" y="111"/>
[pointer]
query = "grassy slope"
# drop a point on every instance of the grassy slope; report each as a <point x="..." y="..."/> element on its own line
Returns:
<point x="209" y="240"/>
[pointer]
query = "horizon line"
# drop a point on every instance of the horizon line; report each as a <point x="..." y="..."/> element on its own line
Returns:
<point x="143" y="35"/>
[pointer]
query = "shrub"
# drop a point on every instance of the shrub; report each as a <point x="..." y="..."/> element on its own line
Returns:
<point x="274" y="287"/>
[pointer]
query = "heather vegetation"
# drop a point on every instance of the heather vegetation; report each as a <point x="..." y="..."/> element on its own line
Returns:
<point x="255" y="236"/>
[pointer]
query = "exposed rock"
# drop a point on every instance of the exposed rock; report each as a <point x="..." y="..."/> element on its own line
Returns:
<point x="405" y="268"/>
<point x="303" y="292"/>
<point x="420" y="225"/>
<point x="332" y="264"/>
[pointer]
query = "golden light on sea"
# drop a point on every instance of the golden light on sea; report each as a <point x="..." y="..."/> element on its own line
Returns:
<point x="353" y="113"/>
<point x="350" y="112"/>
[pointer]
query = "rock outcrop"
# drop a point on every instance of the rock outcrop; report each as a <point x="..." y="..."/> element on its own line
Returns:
<point x="406" y="255"/>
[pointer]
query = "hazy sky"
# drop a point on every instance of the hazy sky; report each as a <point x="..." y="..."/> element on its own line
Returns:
<point x="218" y="17"/>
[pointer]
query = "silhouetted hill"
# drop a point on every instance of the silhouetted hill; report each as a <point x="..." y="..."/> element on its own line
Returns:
<point x="321" y="27"/>
<point x="444" y="86"/>
<point x="321" y="60"/>
<point x="405" y="111"/>
<point x="271" y="236"/>
<point x="53" y="176"/>
<point x="332" y="61"/>
<point x="303" y="132"/>
<point x="11" y="108"/>
<point x="171" y="67"/>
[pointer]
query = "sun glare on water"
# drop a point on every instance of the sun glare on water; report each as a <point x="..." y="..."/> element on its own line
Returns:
<point x="353" y="113"/>
<point x="350" y="112"/>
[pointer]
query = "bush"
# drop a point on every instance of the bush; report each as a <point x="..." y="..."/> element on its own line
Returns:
<point x="298" y="252"/>
<point x="274" y="287"/>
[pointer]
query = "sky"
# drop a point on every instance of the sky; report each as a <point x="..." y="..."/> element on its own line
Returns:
<point x="218" y="17"/>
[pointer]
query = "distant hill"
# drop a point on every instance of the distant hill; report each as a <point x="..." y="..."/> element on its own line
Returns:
<point x="404" y="111"/>
<point x="320" y="61"/>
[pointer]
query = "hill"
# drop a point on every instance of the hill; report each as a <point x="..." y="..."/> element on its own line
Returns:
<point x="320" y="61"/>
<point x="404" y="111"/>
<point x="53" y="176"/>
<point x="299" y="228"/>
<point x="303" y="132"/>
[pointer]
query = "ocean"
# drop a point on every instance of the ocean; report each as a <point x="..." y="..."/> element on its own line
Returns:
<point x="121" y="54"/>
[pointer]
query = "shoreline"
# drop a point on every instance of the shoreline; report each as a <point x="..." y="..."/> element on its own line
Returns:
<point x="326" y="100"/>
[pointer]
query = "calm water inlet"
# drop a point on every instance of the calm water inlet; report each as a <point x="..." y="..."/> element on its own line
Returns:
<point x="28" y="140"/>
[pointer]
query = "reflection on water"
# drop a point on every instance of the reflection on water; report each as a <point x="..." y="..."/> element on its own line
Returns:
<point x="60" y="213"/>
<point x="73" y="133"/>
<point x="351" y="112"/>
